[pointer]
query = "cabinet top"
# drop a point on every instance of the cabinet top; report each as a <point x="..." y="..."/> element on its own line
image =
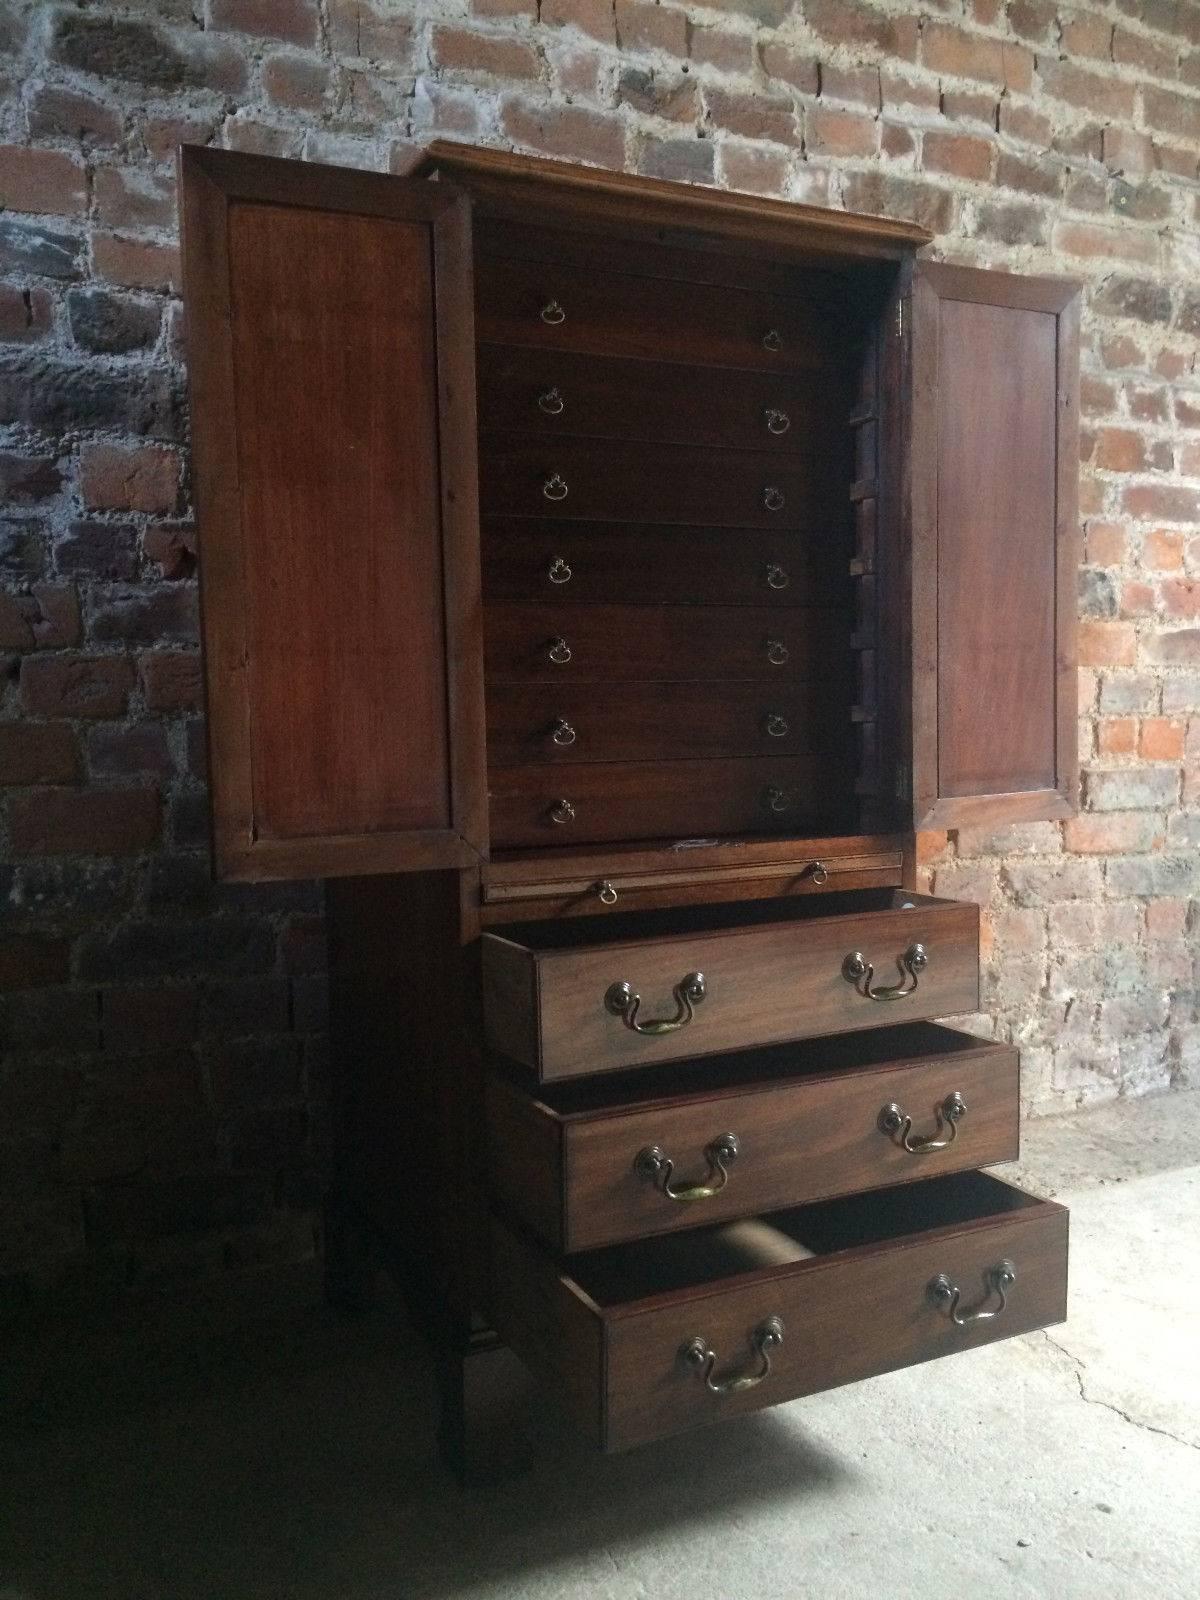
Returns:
<point x="504" y="184"/>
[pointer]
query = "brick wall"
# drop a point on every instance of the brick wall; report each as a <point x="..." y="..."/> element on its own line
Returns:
<point x="160" y="1093"/>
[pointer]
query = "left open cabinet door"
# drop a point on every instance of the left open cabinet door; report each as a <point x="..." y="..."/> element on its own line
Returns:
<point x="331" y="359"/>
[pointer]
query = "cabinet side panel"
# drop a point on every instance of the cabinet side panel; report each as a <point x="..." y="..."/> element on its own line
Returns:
<point x="334" y="370"/>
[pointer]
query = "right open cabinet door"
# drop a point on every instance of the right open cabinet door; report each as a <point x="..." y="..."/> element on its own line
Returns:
<point x="995" y="463"/>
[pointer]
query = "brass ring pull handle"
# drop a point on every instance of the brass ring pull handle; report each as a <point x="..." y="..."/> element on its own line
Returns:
<point x="946" y="1294"/>
<point x="777" y="726"/>
<point x="898" y="1126"/>
<point x="551" y="402"/>
<point x="700" y="1355"/>
<point x="856" y="969"/>
<point x="778" y="421"/>
<point x="819" y="873"/>
<point x="772" y="339"/>
<point x="553" y="313"/>
<point x="559" y="571"/>
<point x="563" y="734"/>
<point x="606" y="893"/>
<point x="623" y="1001"/>
<point x="656" y="1166"/>
<point x="777" y="578"/>
<point x="562" y="812"/>
<point x="777" y="652"/>
<point x="776" y="800"/>
<point x="773" y="499"/>
<point x="555" y="487"/>
<point x="559" y="652"/>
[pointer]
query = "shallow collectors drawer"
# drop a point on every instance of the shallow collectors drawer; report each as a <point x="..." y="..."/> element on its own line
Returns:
<point x="599" y="1161"/>
<point x="573" y="998"/>
<point x="645" y="1340"/>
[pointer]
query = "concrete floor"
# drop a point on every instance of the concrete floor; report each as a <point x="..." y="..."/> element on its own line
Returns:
<point x="292" y="1461"/>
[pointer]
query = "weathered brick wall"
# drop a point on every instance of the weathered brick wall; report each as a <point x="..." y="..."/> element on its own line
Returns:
<point x="160" y="1097"/>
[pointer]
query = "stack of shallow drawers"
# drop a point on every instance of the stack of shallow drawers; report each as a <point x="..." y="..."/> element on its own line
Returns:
<point x="666" y="541"/>
<point x="623" y="1270"/>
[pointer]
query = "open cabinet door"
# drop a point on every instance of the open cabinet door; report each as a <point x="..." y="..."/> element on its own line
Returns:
<point x="995" y="453"/>
<point x="331" y="358"/>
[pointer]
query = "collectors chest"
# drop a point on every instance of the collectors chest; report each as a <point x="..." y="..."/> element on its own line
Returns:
<point x="603" y="581"/>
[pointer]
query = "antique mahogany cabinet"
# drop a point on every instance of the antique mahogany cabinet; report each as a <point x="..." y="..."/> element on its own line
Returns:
<point x="602" y="580"/>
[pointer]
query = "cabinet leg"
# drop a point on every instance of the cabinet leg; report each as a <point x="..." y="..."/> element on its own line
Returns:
<point x="351" y="1261"/>
<point x="484" y="1393"/>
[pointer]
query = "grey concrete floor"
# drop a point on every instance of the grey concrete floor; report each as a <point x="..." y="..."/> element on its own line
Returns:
<point x="292" y="1460"/>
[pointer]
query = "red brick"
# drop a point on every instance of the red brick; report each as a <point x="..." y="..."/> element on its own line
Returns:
<point x="1116" y="736"/>
<point x="38" y="752"/>
<point x="292" y="20"/>
<point x="899" y="90"/>
<point x="1173" y="113"/>
<point x="76" y="686"/>
<point x="59" y="113"/>
<point x="1089" y="91"/>
<point x="493" y="55"/>
<point x="143" y="478"/>
<point x="1111" y="833"/>
<point x="752" y="170"/>
<point x="659" y="94"/>
<point x="130" y="197"/>
<point x="45" y="182"/>
<point x="891" y="195"/>
<point x="1162" y="551"/>
<point x="171" y="681"/>
<point x="26" y="314"/>
<point x="1166" y="920"/>
<point x="861" y="25"/>
<point x="118" y="752"/>
<point x="643" y="26"/>
<point x="966" y="55"/>
<point x="136" y="263"/>
<point x="1120" y="450"/>
<point x="958" y="154"/>
<point x="100" y="822"/>
<point x="754" y="116"/>
<point x="46" y="617"/>
<point x="1118" y="244"/>
<point x="856" y="85"/>
<point x="173" y="547"/>
<point x="1181" y="597"/>
<point x="32" y="962"/>
<point x="1105" y="544"/>
<point x="1135" y="50"/>
<point x="1029" y="176"/>
<point x="569" y="132"/>
<point x="1085" y="34"/>
<point x="504" y="8"/>
<point x="1128" y="151"/>
<point x="897" y="142"/>
<point x="1137" y="600"/>
<point x="969" y="105"/>
<point x="594" y="17"/>
<point x="789" y="66"/>
<point x="1021" y="122"/>
<point x="1168" y="502"/>
<point x="840" y="133"/>
<point x="1107" y="644"/>
<point x="1033" y="19"/>
<point x="356" y="28"/>
<point x="718" y="47"/>
<point x="1161" y="739"/>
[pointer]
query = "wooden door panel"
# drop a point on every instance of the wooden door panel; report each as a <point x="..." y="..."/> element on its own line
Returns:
<point x="995" y="466"/>
<point x="333" y="416"/>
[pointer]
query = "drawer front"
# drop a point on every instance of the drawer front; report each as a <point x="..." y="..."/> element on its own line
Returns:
<point x="844" y="1318"/>
<point x="796" y="1143"/>
<point x="564" y="643"/>
<point x="569" y="724"/>
<point x="551" y="393"/>
<point x="631" y="1372"/>
<point x="556" y="307"/>
<point x="671" y="483"/>
<point x="656" y="564"/>
<point x="763" y="984"/>
<point x="596" y="802"/>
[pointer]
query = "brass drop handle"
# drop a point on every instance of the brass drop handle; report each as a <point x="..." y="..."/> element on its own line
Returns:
<point x="551" y="402"/>
<point x="553" y="313"/>
<point x="898" y="1126"/>
<point x="772" y="339"/>
<point x="656" y="1166"/>
<point x="776" y="800"/>
<point x="559" y="571"/>
<point x="559" y="652"/>
<point x="700" y="1355"/>
<point x="946" y="1294"/>
<point x="623" y="1001"/>
<point x="555" y="487"/>
<point x="777" y="652"/>
<point x="819" y="873"/>
<point x="777" y="725"/>
<point x="562" y="812"/>
<point x="777" y="578"/>
<point x="606" y="893"/>
<point x="777" y="421"/>
<point x="773" y="499"/>
<point x="563" y="733"/>
<point x="856" y="969"/>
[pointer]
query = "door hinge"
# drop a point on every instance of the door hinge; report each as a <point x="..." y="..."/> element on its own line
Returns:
<point x="899" y="319"/>
<point x="903" y="780"/>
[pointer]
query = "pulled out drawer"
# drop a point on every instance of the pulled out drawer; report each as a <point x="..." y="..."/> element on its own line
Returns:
<point x="599" y="1161"/>
<point x="572" y="998"/>
<point x="645" y="1340"/>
